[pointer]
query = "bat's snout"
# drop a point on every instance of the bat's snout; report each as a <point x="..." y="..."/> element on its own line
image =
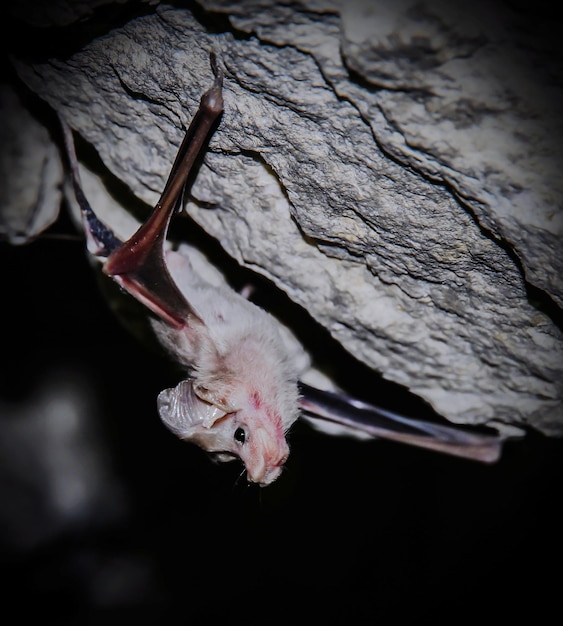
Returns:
<point x="266" y="476"/>
<point x="267" y="463"/>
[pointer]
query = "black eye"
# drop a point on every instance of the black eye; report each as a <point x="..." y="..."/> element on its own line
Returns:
<point x="240" y="435"/>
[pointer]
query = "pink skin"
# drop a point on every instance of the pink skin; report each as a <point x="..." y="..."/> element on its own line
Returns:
<point x="265" y="450"/>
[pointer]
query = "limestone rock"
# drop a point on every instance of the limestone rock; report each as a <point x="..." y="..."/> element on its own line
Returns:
<point x="384" y="172"/>
<point x="31" y="172"/>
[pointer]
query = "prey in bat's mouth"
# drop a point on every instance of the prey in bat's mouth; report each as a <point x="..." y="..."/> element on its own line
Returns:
<point x="241" y="393"/>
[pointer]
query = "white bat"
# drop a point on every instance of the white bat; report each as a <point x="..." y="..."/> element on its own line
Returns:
<point x="242" y="391"/>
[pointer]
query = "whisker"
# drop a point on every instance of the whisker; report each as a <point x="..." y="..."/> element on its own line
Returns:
<point x="238" y="479"/>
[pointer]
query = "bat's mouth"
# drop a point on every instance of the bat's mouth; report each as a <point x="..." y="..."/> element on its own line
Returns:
<point x="265" y="475"/>
<point x="262" y="477"/>
<point x="223" y="457"/>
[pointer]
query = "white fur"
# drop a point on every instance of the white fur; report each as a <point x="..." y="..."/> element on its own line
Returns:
<point x="236" y="357"/>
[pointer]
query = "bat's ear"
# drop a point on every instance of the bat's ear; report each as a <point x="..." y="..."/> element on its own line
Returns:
<point x="182" y="410"/>
<point x="215" y="392"/>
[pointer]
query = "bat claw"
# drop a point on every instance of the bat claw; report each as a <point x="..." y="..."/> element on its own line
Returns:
<point x="212" y="99"/>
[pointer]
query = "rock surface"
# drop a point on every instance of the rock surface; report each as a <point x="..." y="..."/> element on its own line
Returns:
<point x="31" y="172"/>
<point x="390" y="166"/>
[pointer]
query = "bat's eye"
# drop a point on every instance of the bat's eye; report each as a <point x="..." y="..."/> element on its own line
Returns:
<point x="240" y="435"/>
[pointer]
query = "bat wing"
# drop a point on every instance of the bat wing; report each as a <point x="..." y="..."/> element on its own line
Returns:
<point x="138" y="264"/>
<point x="359" y="417"/>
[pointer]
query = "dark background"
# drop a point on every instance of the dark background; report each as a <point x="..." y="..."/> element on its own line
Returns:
<point x="370" y="532"/>
<point x="351" y="529"/>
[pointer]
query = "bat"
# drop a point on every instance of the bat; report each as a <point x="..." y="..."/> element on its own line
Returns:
<point x="242" y="390"/>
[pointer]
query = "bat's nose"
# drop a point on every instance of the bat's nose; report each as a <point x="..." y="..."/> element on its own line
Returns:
<point x="268" y="453"/>
<point x="268" y="476"/>
<point x="266" y="472"/>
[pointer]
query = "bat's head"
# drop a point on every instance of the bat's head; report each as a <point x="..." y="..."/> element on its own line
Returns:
<point x="247" y="428"/>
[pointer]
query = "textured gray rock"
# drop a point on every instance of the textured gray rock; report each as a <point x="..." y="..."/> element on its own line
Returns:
<point x="388" y="207"/>
<point x="485" y="120"/>
<point x="57" y="12"/>
<point x="31" y="172"/>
